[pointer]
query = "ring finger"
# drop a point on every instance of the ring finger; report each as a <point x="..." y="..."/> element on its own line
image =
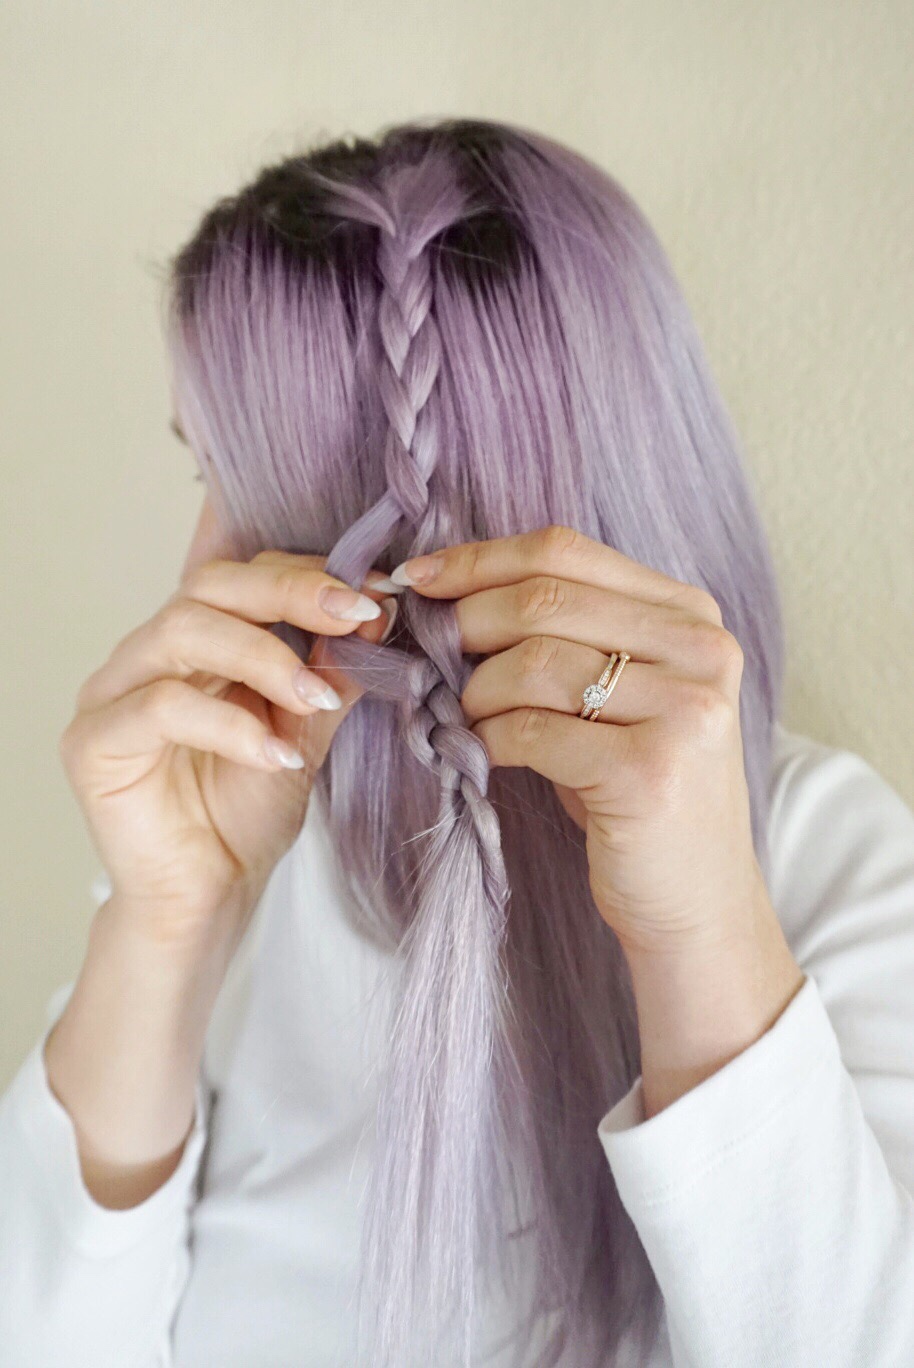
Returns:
<point x="549" y="672"/>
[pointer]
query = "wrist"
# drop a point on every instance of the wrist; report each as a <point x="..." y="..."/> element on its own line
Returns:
<point x="123" y="1058"/>
<point x="702" y="1000"/>
<point x="179" y="939"/>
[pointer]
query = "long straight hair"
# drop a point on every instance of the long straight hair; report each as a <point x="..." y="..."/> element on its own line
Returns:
<point x="456" y="331"/>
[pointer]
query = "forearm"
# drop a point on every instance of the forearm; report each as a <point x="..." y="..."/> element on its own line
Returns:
<point x="124" y="1057"/>
<point x="701" y="1004"/>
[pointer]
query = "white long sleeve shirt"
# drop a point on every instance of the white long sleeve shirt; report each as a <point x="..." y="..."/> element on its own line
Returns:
<point x="774" y="1200"/>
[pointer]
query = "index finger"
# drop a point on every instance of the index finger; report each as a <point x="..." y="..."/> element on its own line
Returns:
<point x="278" y="586"/>
<point x="562" y="552"/>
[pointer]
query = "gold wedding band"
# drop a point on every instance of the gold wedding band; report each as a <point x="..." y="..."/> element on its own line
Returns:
<point x="595" y="695"/>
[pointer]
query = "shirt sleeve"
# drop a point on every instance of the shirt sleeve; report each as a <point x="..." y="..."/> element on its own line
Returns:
<point x="83" y="1284"/>
<point x="774" y="1199"/>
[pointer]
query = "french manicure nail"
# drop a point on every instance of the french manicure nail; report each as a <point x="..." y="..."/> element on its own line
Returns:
<point x="347" y="605"/>
<point x="315" y="691"/>
<point x="420" y="570"/>
<point x="278" y="752"/>
<point x="382" y="583"/>
<point x="390" y="606"/>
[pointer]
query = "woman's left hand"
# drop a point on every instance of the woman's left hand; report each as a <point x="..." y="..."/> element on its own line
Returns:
<point x="658" y="781"/>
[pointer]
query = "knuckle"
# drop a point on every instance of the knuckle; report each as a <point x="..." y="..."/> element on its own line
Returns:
<point x="702" y="604"/>
<point x="70" y="746"/>
<point x="289" y="586"/>
<point x="701" y="638"/>
<point x="175" y="620"/>
<point x="195" y="582"/>
<point x="269" y="556"/>
<point x="474" y="560"/>
<point x="537" y="656"/>
<point x="558" y="542"/>
<point x="258" y="647"/>
<point x="660" y="768"/>
<point x="710" y="606"/>
<point x="702" y="711"/>
<point x="86" y="693"/>
<point x="531" y="724"/>
<point x="540" y="599"/>
<point x="734" y="656"/>
<point x="242" y="727"/>
<point x="160" y="698"/>
<point x="727" y="655"/>
<point x="713" y="645"/>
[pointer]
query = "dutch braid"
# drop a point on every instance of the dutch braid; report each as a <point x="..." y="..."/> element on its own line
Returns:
<point x="459" y="918"/>
<point x="410" y="362"/>
<point x="411" y="352"/>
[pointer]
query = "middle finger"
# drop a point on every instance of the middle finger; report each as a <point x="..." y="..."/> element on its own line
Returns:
<point x="496" y="619"/>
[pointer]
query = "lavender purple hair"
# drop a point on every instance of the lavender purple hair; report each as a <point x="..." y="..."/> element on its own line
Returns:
<point x="458" y="331"/>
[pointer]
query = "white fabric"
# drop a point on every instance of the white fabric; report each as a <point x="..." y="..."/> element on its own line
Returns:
<point x="774" y="1199"/>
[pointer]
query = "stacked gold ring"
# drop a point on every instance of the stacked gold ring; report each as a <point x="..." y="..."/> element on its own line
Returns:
<point x="595" y="695"/>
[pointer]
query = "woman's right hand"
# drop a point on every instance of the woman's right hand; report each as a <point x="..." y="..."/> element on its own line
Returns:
<point x="193" y="748"/>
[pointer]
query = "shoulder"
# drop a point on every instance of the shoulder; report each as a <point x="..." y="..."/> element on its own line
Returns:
<point x="842" y="882"/>
<point x="805" y="770"/>
<point x="835" y="823"/>
<point x="841" y="874"/>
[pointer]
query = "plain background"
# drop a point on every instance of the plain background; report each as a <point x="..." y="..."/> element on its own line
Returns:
<point x="769" y="142"/>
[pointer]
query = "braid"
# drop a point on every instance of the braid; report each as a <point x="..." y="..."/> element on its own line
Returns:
<point x="453" y="1009"/>
<point x="410" y="353"/>
<point x="410" y="362"/>
<point x="437" y="734"/>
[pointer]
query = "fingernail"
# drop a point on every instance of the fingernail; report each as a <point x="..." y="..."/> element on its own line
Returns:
<point x="313" y="690"/>
<point x="347" y="605"/>
<point x="418" y="571"/>
<point x="279" y="753"/>
<point x="382" y="583"/>
<point x="390" y="606"/>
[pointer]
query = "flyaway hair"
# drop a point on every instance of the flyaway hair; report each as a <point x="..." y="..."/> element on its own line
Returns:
<point x="458" y="331"/>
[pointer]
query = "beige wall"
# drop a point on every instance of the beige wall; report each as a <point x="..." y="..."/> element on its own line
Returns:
<point x="771" y="144"/>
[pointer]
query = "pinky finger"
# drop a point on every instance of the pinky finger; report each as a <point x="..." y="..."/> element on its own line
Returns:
<point x="564" y="749"/>
<point x="133" y="731"/>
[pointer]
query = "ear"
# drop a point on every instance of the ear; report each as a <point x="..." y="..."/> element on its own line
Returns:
<point x="209" y="540"/>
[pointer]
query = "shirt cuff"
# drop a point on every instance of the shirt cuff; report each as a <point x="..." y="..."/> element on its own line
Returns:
<point x="654" y="1159"/>
<point x="51" y="1145"/>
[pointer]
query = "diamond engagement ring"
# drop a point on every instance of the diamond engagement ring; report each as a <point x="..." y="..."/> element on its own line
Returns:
<point x="595" y="695"/>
